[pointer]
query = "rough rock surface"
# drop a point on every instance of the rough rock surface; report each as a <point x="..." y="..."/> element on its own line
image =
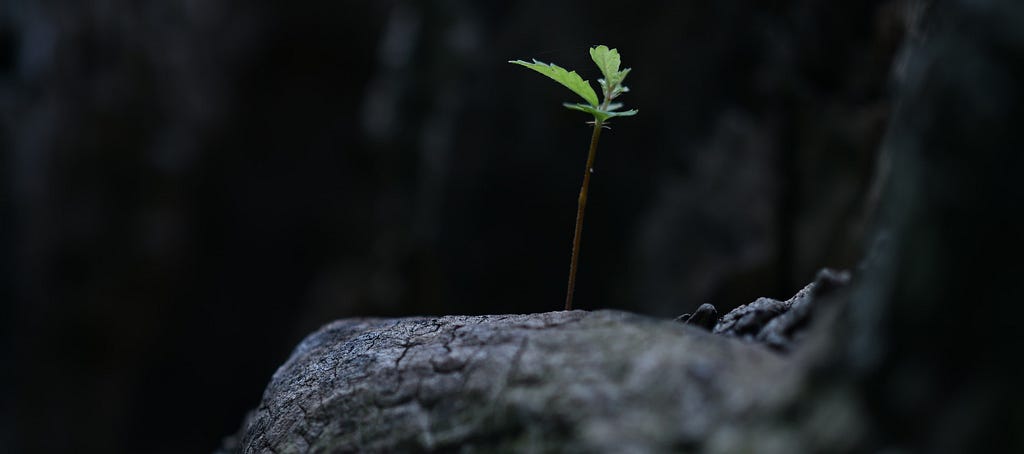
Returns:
<point x="601" y="381"/>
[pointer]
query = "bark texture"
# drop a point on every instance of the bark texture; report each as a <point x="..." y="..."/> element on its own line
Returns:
<point x="575" y="381"/>
<point x="779" y="324"/>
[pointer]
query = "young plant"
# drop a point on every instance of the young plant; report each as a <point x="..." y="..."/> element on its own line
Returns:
<point x="608" y="62"/>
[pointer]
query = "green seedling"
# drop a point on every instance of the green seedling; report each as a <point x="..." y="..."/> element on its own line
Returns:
<point x="608" y="62"/>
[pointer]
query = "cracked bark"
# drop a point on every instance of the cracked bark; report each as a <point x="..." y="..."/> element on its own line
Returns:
<point x="579" y="381"/>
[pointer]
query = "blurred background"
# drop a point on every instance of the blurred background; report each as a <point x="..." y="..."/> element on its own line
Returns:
<point x="190" y="187"/>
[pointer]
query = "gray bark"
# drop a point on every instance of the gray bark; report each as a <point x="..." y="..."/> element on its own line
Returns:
<point x="779" y="324"/>
<point x="576" y="381"/>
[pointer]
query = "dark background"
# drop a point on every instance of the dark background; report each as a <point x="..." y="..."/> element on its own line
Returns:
<point x="191" y="187"/>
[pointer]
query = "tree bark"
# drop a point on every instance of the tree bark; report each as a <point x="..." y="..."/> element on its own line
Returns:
<point x="575" y="381"/>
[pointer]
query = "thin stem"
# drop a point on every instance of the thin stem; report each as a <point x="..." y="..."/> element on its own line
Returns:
<point x="579" y="213"/>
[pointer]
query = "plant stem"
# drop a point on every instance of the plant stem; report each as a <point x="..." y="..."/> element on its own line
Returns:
<point x="579" y="213"/>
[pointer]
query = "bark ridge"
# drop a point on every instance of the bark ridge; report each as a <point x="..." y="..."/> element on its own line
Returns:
<point x="576" y="381"/>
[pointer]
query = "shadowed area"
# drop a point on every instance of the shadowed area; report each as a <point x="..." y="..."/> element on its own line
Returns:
<point x="190" y="188"/>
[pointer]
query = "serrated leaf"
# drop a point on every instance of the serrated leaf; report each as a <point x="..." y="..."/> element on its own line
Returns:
<point x="608" y="61"/>
<point x="624" y="113"/>
<point x="567" y="78"/>
<point x="600" y="115"/>
<point x="622" y="76"/>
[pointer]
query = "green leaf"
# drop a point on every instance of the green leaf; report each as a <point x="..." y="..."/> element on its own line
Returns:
<point x="624" y="113"/>
<point x="622" y="76"/>
<point x="601" y="115"/>
<point x="608" y="61"/>
<point x="598" y="114"/>
<point x="569" y="79"/>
